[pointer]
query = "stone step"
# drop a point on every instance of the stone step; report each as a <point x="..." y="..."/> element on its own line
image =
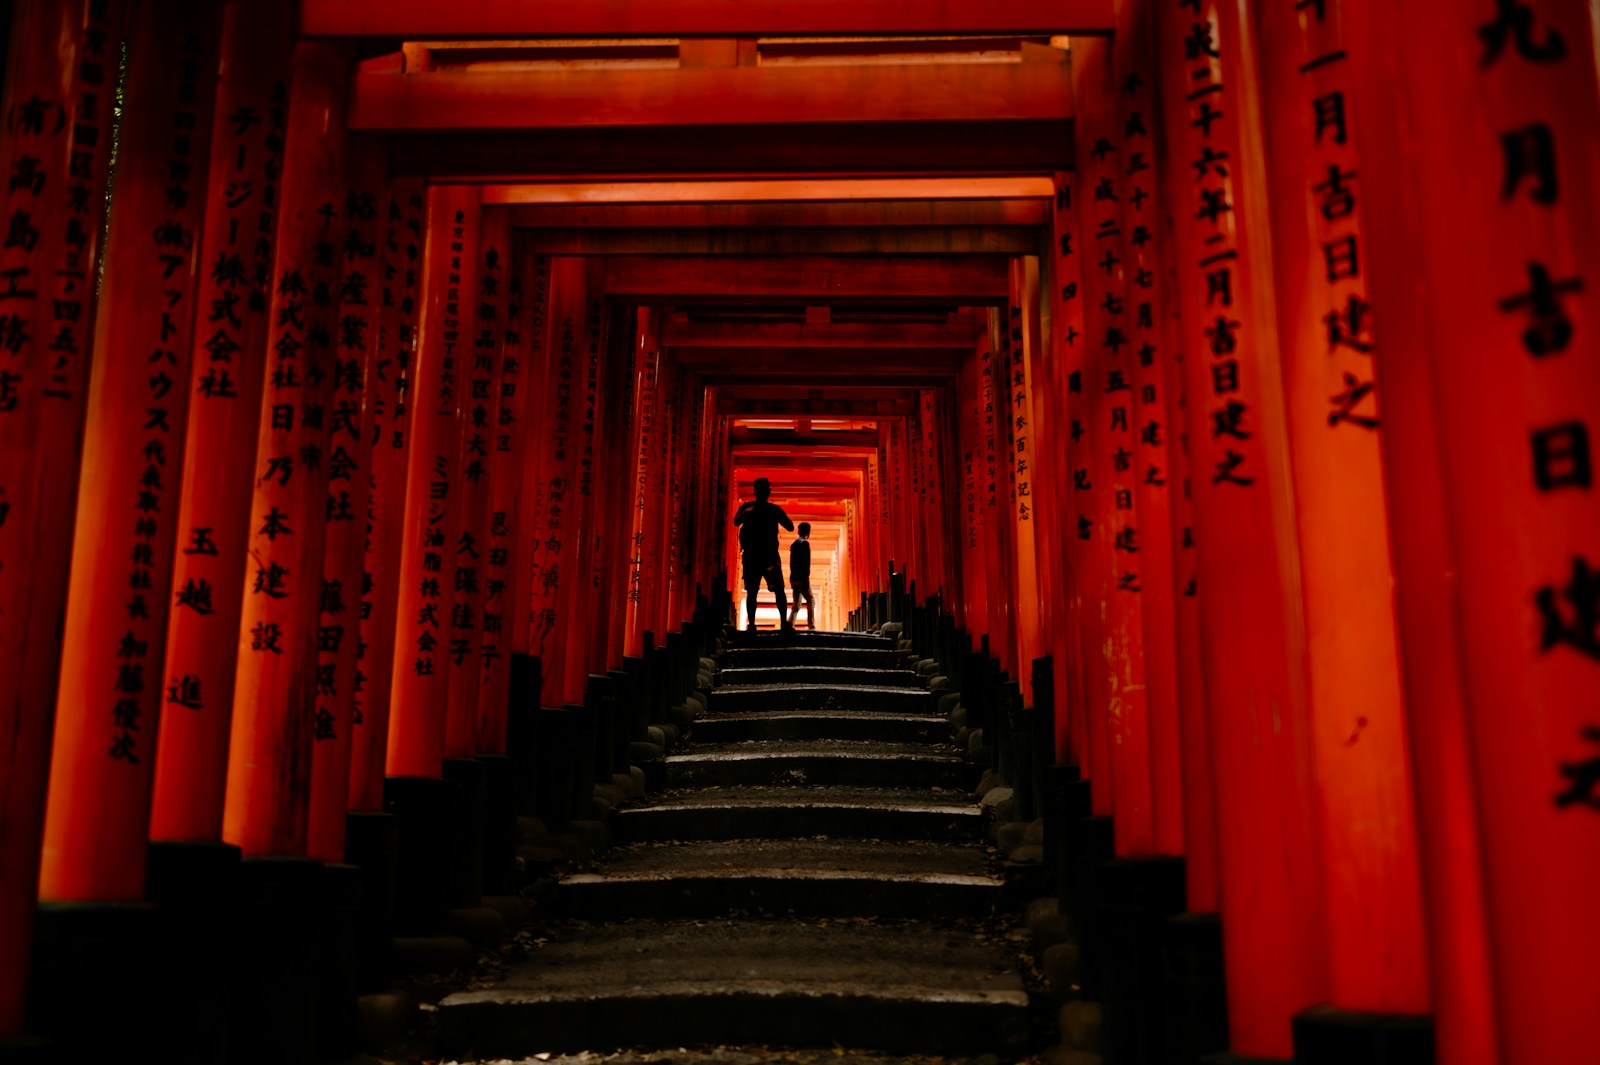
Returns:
<point x="802" y="638"/>
<point x="744" y="698"/>
<point x="822" y="725"/>
<point x="795" y="812"/>
<point x="852" y="676"/>
<point x="819" y="763"/>
<point x="775" y="655"/>
<point x="905" y="987"/>
<point x="807" y="877"/>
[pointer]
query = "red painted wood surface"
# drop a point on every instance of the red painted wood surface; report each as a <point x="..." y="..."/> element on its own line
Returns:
<point x="226" y="380"/>
<point x="1327" y="350"/>
<point x="389" y="397"/>
<point x="417" y="701"/>
<point x="1489" y="374"/>
<point x="1020" y="341"/>
<point x="1151" y="373"/>
<point x="62" y="58"/>
<point x="352" y="417"/>
<point x="276" y="712"/>
<point x="483" y="328"/>
<point x="583" y="540"/>
<point x="1073" y="731"/>
<point x="553" y="547"/>
<point x="1274" y="937"/>
<point x="109" y="698"/>
<point x="716" y="18"/>
<point x="504" y="604"/>
<point x="530" y="500"/>
<point x="644" y="568"/>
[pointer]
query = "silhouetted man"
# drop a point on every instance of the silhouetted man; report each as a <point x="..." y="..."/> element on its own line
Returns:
<point x="758" y="540"/>
<point x="800" y="576"/>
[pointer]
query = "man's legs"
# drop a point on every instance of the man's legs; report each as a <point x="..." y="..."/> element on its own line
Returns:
<point x="775" y="582"/>
<point x="811" y="617"/>
<point x="752" y="585"/>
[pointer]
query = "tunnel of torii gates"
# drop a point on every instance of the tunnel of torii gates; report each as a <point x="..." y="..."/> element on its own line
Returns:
<point x="406" y="342"/>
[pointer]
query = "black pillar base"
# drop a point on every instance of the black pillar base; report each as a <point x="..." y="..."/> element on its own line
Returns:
<point x="26" y="1050"/>
<point x="92" y="990"/>
<point x="273" y="1020"/>
<point x="1327" y="1035"/>
<point x="1140" y="894"/>
<point x="371" y="844"/>
<point x="196" y="889"/>
<point x="499" y="823"/>
<point x="1228" y="1057"/>
<point x="1195" y="1002"/>
<point x="338" y="971"/>
<point x="1090" y="844"/>
<point x="466" y="856"/>
<point x="425" y="809"/>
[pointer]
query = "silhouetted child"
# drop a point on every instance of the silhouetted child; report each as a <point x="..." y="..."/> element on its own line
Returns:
<point x="800" y="576"/>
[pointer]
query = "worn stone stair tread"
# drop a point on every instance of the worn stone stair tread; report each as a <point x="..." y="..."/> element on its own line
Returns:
<point x="876" y="750"/>
<point x="888" y="726"/>
<point x="874" y="676"/>
<point x="745" y="697"/>
<point x="856" y="657"/>
<point x="842" y="878"/>
<point x="787" y="812"/>
<point x="902" y="985"/>
<point x="799" y="858"/>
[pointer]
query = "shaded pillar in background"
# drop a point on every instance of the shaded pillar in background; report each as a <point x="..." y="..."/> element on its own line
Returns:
<point x="429" y="531"/>
<point x="390" y="401"/>
<point x="483" y="299"/>
<point x="275" y="700"/>
<point x="505" y="630"/>
<point x="351" y="419"/>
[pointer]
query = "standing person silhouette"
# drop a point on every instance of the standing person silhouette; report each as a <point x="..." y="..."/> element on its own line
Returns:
<point x="800" y="576"/>
<point x="758" y="522"/>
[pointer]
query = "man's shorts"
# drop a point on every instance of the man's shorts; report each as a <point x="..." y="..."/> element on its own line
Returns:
<point x="770" y="571"/>
<point x="802" y="588"/>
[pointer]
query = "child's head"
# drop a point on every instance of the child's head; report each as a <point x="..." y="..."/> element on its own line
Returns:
<point x="805" y="529"/>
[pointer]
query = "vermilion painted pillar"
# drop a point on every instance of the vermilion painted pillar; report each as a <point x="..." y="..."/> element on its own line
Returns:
<point x="504" y="609"/>
<point x="1274" y="936"/>
<point x="1080" y="740"/>
<point x="483" y="328"/>
<point x="109" y="699"/>
<point x="351" y="419"/>
<point x="974" y="598"/>
<point x="59" y="76"/>
<point x="390" y="401"/>
<point x="553" y="546"/>
<point x="578" y="599"/>
<point x="530" y="498"/>
<point x="417" y="700"/>
<point x="1488" y="365"/>
<point x="644" y="505"/>
<point x="1152" y="371"/>
<point x="672" y="553"/>
<point x="1021" y="342"/>
<point x="225" y="380"/>
<point x="275" y="705"/>
<point x="1201" y="859"/>
<point x="1375" y="942"/>
<point x="1116" y="678"/>
<point x="614" y="529"/>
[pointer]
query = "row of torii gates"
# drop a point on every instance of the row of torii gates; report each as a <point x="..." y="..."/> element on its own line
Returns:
<point x="361" y="395"/>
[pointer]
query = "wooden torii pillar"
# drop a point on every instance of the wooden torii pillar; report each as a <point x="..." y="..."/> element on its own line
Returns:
<point x="1477" y="164"/>
<point x="226" y="381"/>
<point x="60" y="77"/>
<point x="109" y="697"/>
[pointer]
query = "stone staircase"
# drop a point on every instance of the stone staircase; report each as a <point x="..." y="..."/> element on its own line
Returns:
<point x="808" y="878"/>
